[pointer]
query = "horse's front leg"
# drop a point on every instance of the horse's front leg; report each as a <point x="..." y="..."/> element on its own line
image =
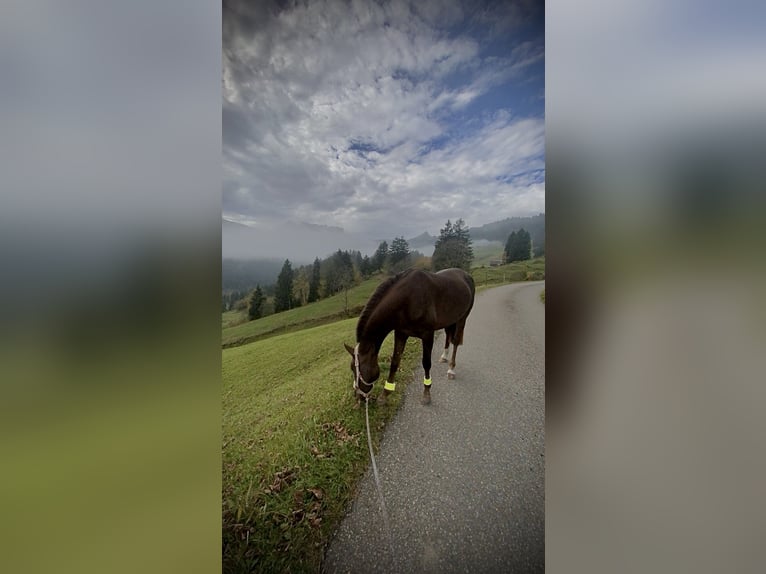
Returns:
<point x="400" y="339"/>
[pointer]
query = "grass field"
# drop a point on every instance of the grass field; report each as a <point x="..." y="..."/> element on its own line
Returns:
<point x="483" y="254"/>
<point x="293" y="446"/>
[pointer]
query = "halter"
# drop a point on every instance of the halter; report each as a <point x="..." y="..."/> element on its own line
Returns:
<point x="358" y="376"/>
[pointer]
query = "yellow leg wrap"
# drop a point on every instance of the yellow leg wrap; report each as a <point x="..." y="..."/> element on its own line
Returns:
<point x="427" y="382"/>
<point x="390" y="386"/>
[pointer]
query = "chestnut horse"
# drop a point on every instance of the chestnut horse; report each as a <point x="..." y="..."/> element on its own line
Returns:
<point x="414" y="303"/>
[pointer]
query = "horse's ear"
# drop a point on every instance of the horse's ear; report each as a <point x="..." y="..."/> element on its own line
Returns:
<point x="349" y="349"/>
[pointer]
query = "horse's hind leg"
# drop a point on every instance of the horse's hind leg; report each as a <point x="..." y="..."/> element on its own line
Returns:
<point x="457" y="339"/>
<point x="448" y="336"/>
<point x="451" y="370"/>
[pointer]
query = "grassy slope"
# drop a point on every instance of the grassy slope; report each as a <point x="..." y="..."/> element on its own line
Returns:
<point x="287" y="407"/>
<point x="330" y="309"/>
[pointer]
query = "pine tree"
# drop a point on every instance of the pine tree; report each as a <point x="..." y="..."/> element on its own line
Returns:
<point x="519" y="246"/>
<point x="314" y="283"/>
<point x="510" y="247"/>
<point x="379" y="258"/>
<point x="398" y="254"/>
<point x="453" y="248"/>
<point x="255" y="304"/>
<point x="283" y="295"/>
<point x="366" y="267"/>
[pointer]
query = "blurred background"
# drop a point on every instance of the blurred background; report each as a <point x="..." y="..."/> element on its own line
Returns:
<point x="656" y="325"/>
<point x="110" y="144"/>
<point x="109" y="299"/>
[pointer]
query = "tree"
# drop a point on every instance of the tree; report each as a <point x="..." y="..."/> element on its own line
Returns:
<point x="283" y="295"/>
<point x="453" y="247"/>
<point x="314" y="282"/>
<point x="301" y="280"/>
<point x="379" y="258"/>
<point x="365" y="269"/>
<point x="398" y="254"/>
<point x="255" y="304"/>
<point x="519" y="246"/>
<point x="345" y="270"/>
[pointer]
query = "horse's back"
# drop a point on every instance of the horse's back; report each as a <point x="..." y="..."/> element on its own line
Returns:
<point x="460" y="277"/>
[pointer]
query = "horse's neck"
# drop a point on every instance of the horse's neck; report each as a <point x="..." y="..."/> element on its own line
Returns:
<point x="372" y="341"/>
<point x="381" y="321"/>
<point x="375" y="333"/>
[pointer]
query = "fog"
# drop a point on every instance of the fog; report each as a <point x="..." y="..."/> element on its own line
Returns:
<point x="300" y="243"/>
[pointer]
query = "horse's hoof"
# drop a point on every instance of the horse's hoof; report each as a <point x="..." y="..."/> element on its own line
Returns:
<point x="442" y="360"/>
<point x="451" y="376"/>
<point x="357" y="404"/>
<point x="382" y="400"/>
<point x="425" y="400"/>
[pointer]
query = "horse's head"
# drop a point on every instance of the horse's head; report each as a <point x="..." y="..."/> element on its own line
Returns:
<point x="364" y="367"/>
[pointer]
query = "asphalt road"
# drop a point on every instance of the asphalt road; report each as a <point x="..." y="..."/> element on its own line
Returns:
<point x="464" y="477"/>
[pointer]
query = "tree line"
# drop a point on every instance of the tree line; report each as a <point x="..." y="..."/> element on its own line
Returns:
<point x="298" y="286"/>
<point x="343" y="270"/>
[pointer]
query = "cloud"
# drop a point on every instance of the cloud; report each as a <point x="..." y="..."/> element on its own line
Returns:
<point x="384" y="120"/>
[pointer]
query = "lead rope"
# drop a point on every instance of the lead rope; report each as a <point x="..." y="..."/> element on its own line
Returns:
<point x="386" y="523"/>
<point x="357" y="378"/>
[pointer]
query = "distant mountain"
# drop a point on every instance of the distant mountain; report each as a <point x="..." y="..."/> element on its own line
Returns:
<point x="425" y="239"/>
<point x="500" y="230"/>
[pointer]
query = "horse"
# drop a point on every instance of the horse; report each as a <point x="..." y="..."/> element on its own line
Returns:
<point x="413" y="303"/>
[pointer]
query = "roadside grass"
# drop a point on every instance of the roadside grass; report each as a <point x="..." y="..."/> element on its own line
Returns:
<point x="531" y="270"/>
<point x="235" y="332"/>
<point x="293" y="445"/>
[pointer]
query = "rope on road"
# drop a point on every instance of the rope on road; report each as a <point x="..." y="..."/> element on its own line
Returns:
<point x="386" y="523"/>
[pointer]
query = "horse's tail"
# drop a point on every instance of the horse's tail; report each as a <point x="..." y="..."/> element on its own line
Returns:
<point x="458" y="337"/>
<point x="472" y="285"/>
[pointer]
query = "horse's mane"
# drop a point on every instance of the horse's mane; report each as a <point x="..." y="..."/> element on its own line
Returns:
<point x="374" y="299"/>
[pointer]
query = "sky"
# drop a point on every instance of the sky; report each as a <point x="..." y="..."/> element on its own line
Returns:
<point x="383" y="119"/>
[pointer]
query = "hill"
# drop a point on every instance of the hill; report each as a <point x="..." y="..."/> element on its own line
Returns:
<point x="237" y="330"/>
